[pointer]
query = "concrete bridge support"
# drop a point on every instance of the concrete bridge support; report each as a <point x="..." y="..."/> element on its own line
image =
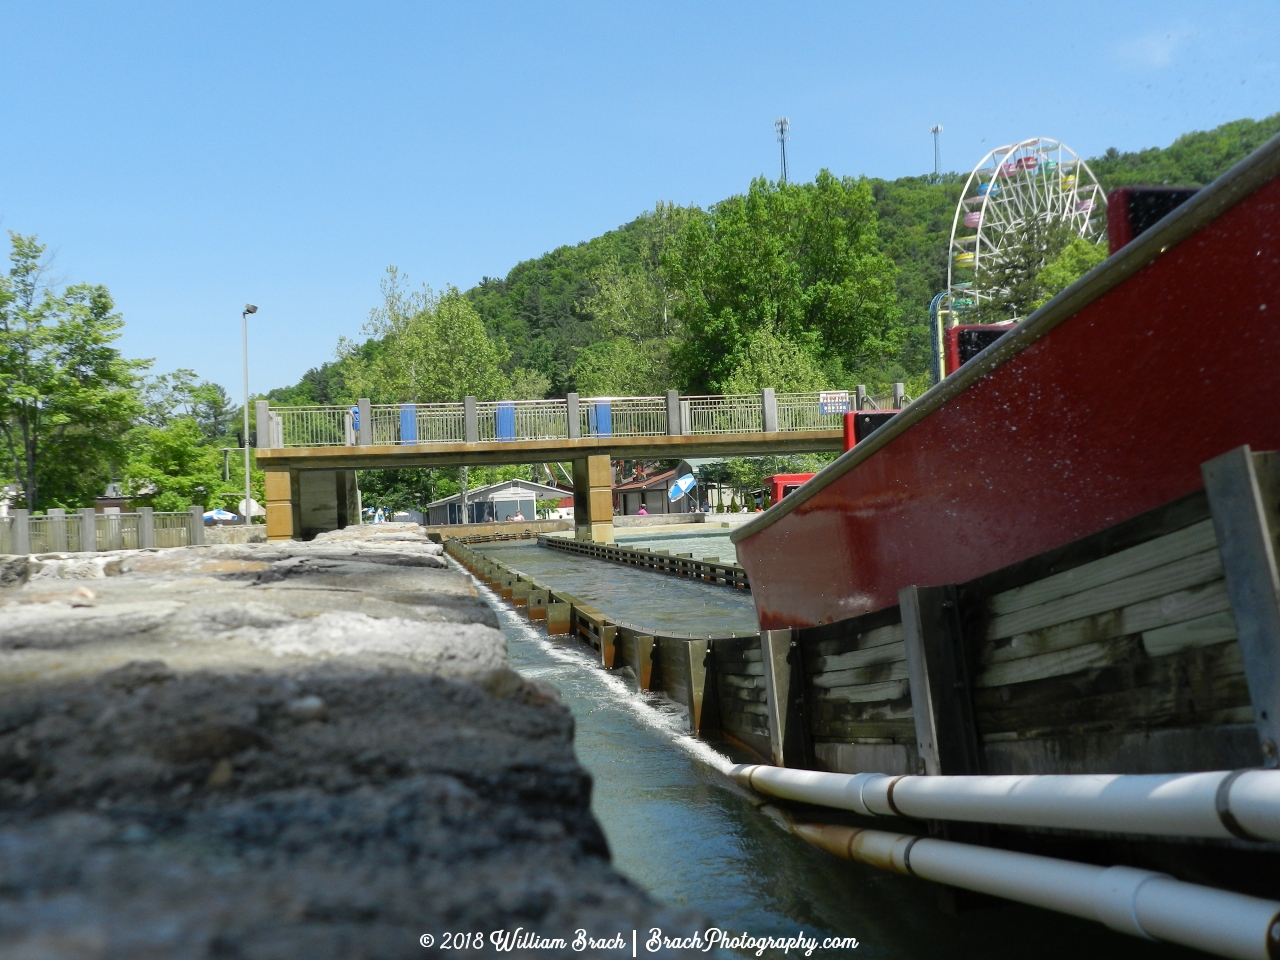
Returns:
<point x="302" y="503"/>
<point x="593" y="499"/>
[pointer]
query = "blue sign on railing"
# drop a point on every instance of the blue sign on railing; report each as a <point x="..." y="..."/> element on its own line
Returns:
<point x="504" y="420"/>
<point x="408" y="423"/>
<point x="600" y="419"/>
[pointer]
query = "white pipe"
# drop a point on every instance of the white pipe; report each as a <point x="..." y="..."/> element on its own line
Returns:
<point x="1220" y="805"/>
<point x="1137" y="902"/>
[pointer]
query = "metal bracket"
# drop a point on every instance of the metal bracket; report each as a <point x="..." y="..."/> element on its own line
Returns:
<point x="1244" y="498"/>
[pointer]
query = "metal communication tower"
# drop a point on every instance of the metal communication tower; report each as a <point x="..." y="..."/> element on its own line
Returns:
<point x="782" y="124"/>
<point x="936" y="130"/>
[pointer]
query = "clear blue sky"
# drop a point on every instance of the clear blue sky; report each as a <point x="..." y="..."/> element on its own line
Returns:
<point x="196" y="156"/>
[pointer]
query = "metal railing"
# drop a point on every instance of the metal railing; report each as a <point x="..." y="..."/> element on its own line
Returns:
<point x="88" y="531"/>
<point x="496" y="421"/>
<point x="521" y="420"/>
<point x="315" y="426"/>
<point x="623" y="417"/>
<point x="743" y="413"/>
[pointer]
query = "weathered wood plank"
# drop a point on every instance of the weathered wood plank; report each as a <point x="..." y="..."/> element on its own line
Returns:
<point x="1201" y="632"/>
<point x="1187" y="572"/>
<point x="874" y="673"/>
<point x="1177" y="607"/>
<point x="890" y="690"/>
<point x="866" y="640"/>
<point x="901" y="731"/>
<point x="881" y="653"/>
<point x="732" y="680"/>
<point x="1185" y="688"/>
<point x="1160" y="552"/>
<point x="846" y="710"/>
<point x="1061" y="662"/>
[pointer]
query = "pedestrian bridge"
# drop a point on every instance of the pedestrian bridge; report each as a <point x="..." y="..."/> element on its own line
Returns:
<point x="309" y="453"/>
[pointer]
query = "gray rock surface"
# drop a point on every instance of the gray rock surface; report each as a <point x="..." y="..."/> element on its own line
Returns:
<point x="303" y="750"/>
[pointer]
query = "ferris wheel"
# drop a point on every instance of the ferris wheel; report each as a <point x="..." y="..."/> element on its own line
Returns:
<point x="1013" y="187"/>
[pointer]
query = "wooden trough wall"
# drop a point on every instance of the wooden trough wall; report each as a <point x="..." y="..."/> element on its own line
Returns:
<point x="1117" y="653"/>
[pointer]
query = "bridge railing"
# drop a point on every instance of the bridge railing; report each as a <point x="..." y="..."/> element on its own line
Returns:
<point x="496" y="421"/>
<point x="522" y="420"/>
<point x="623" y="417"/>
<point x="743" y="413"/>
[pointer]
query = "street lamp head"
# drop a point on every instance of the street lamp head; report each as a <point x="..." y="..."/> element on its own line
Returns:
<point x="250" y="308"/>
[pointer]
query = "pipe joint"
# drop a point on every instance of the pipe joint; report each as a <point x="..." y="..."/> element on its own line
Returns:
<point x="1115" y="898"/>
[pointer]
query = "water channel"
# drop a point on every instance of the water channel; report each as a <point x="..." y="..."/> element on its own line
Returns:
<point x="684" y="832"/>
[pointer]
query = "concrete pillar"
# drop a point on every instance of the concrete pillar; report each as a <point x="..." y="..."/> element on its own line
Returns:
<point x="675" y="426"/>
<point x="861" y="394"/>
<point x="364" y="436"/>
<point x="197" y="522"/>
<point x="470" y="420"/>
<point x="769" y="410"/>
<point x="88" y="529"/>
<point x="280" y="504"/>
<point x="262" y="415"/>
<point x="899" y="395"/>
<point x="146" y="527"/>
<point x="571" y="411"/>
<point x="20" y="532"/>
<point x="326" y="500"/>
<point x="593" y="499"/>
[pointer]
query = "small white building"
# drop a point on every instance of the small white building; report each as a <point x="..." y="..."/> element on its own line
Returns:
<point x="495" y="503"/>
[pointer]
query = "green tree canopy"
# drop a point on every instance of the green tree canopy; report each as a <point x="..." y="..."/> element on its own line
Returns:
<point x="799" y="260"/>
<point x="433" y="348"/>
<point x="67" y="396"/>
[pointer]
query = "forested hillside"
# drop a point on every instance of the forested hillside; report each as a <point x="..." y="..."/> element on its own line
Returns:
<point x="614" y="312"/>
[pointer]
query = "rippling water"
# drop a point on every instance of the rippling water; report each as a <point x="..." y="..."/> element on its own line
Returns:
<point x="683" y="831"/>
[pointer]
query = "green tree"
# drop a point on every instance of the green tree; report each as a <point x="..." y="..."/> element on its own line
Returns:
<point x="433" y="348"/>
<point x="67" y="396"/>
<point x="173" y="466"/>
<point x="767" y="360"/>
<point x="799" y="260"/>
<point x="1011" y="287"/>
<point x="1076" y="259"/>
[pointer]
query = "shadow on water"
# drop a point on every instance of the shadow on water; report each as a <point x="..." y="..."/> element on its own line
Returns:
<point x="684" y="832"/>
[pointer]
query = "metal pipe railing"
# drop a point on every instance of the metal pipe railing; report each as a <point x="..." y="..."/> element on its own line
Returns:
<point x="1141" y="903"/>
<point x="1220" y="804"/>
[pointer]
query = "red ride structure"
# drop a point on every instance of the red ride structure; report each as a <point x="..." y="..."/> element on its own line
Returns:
<point x="1100" y="406"/>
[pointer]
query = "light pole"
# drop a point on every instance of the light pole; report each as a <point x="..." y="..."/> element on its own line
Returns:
<point x="244" y="343"/>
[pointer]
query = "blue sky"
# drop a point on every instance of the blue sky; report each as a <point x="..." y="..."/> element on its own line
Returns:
<point x="196" y="156"/>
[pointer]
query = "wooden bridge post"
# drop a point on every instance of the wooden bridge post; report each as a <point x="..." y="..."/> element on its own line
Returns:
<point x="1244" y="499"/>
<point x="946" y="734"/>
<point x="593" y="499"/>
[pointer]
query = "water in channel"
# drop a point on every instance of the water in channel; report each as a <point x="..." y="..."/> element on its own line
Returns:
<point x="685" y="833"/>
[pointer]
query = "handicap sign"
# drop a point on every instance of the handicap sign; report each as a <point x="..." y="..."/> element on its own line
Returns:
<point x="833" y="401"/>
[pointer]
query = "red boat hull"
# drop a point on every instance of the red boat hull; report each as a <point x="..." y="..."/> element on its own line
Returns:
<point x="1108" y="414"/>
